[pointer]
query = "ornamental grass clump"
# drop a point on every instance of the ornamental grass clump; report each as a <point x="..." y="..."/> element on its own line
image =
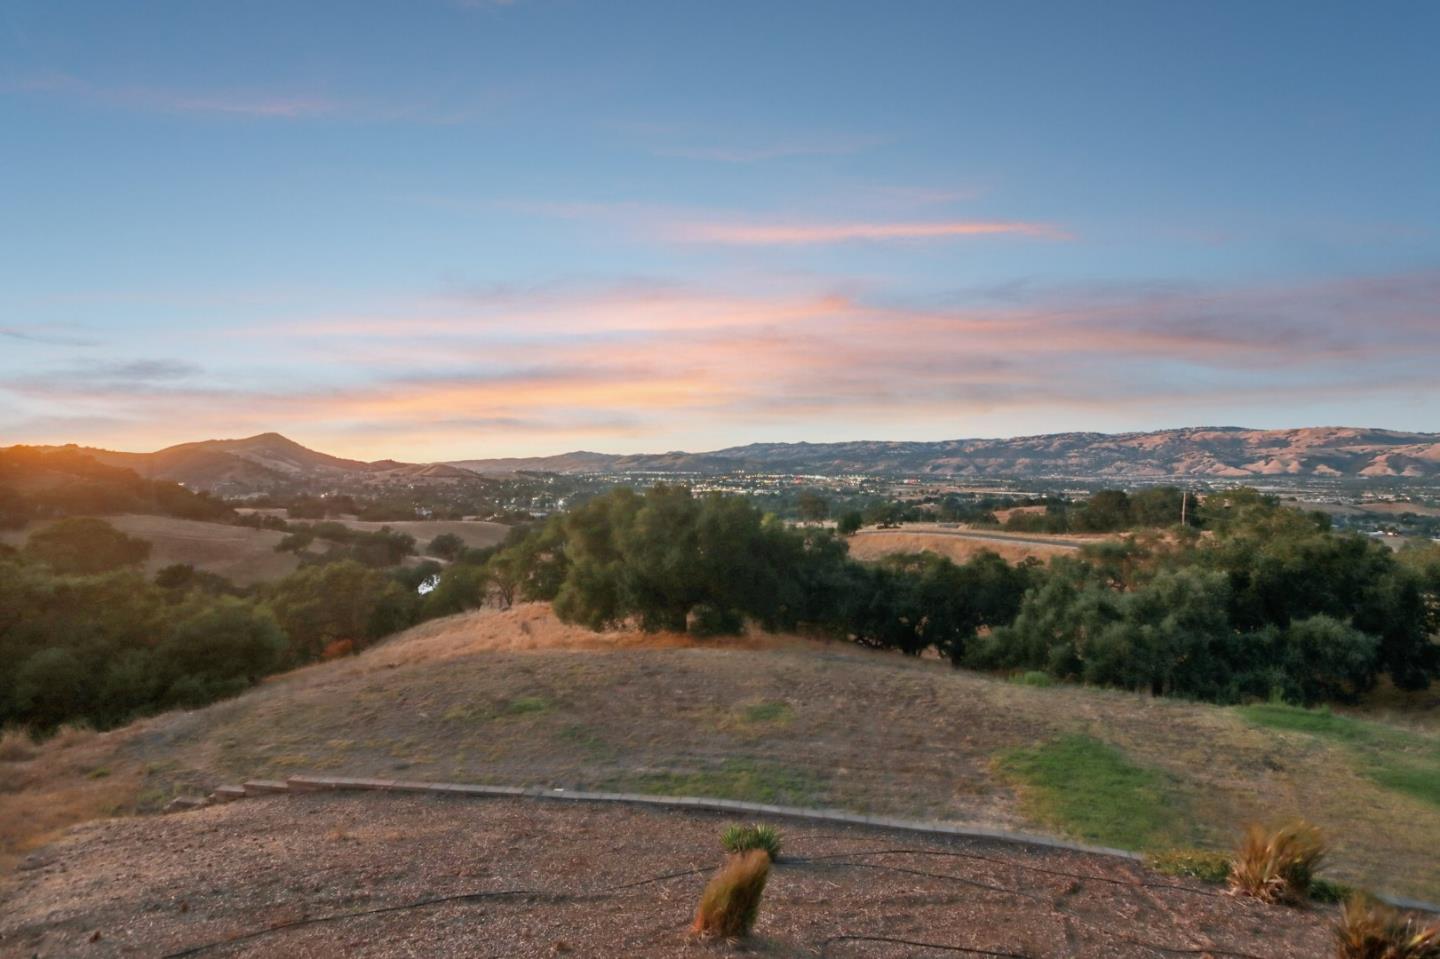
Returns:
<point x="1277" y="865"/>
<point x="731" y="902"/>
<point x="739" y="838"/>
<point x="1372" y="930"/>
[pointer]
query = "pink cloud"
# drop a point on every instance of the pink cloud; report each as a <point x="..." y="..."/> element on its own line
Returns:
<point x="791" y="234"/>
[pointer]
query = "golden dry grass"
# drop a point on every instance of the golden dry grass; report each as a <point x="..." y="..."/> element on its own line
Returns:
<point x="73" y="777"/>
<point x="1368" y="929"/>
<point x="239" y="553"/>
<point x="1277" y="865"/>
<point x="475" y="533"/>
<point x="731" y="902"/>
<point x="532" y="627"/>
<point x="877" y="544"/>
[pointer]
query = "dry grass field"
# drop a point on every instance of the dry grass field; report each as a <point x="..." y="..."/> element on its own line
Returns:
<point x="516" y="697"/>
<point x="959" y="544"/>
<point x="239" y="553"/>
<point x="476" y="533"/>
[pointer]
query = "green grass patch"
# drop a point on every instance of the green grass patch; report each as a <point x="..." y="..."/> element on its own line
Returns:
<point x="526" y="705"/>
<point x="1202" y="864"/>
<point x="1395" y="759"/>
<point x="1093" y="791"/>
<point x="773" y="712"/>
<point x="743" y="779"/>
<point x="1033" y="678"/>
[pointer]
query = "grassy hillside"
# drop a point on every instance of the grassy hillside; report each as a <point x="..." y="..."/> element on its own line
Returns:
<point x="476" y="534"/>
<point x="516" y="697"/>
<point x="239" y="553"/>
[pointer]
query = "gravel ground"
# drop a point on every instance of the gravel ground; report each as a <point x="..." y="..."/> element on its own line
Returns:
<point x="545" y="878"/>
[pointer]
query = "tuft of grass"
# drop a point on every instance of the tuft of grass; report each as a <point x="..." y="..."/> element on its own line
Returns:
<point x="743" y="779"/>
<point x="1277" y="865"/>
<point x="16" y="746"/>
<point x="739" y="839"/>
<point x="1202" y="864"/>
<point x="525" y="705"/>
<point x="771" y="711"/>
<point x="1395" y="759"/>
<point x="1329" y="891"/>
<point x="731" y="901"/>
<point x="1033" y="677"/>
<point x="1093" y="791"/>
<point x="1371" y="930"/>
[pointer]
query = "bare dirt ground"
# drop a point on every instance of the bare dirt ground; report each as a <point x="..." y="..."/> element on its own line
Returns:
<point x="239" y="553"/>
<point x="320" y="876"/>
<point x="515" y="697"/>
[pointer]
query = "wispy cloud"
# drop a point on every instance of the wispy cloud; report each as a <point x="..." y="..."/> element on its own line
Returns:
<point x="792" y="234"/>
<point x="759" y="151"/>
<point x="678" y="225"/>
<point x="45" y="336"/>
<point x="234" y="103"/>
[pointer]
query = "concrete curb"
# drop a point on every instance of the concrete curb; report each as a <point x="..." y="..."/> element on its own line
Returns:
<point x="475" y="790"/>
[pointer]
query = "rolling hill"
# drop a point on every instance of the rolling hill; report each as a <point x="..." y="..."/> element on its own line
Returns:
<point x="268" y="462"/>
<point x="1200" y="452"/>
<point x="515" y="697"/>
<point x="271" y="462"/>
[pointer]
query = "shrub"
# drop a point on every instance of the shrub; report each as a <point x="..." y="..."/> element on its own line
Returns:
<point x="337" y="649"/>
<point x="1277" y="865"/>
<point x="16" y="746"/>
<point x="738" y="839"/>
<point x="82" y="545"/>
<point x="1371" y="930"/>
<point x="1192" y="864"/>
<point x="731" y="901"/>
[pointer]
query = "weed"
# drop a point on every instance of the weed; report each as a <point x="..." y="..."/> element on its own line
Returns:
<point x="743" y="779"/>
<point x="767" y="712"/>
<point x="1192" y="864"/>
<point x="731" y="902"/>
<point x="1033" y="678"/>
<point x="1371" y="930"/>
<point x="525" y="705"/>
<point x="1277" y="865"/>
<point x="1327" y="890"/>
<point x="16" y="746"/>
<point x="739" y="838"/>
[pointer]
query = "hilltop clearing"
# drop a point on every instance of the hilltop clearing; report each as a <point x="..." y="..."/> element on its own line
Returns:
<point x="961" y="545"/>
<point x="516" y="697"/>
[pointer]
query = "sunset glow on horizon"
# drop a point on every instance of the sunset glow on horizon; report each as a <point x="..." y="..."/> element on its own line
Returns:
<point x="449" y="230"/>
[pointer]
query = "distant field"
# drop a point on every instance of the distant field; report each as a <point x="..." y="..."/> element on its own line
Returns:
<point x="516" y="697"/>
<point x="476" y="533"/>
<point x="240" y="554"/>
<point x="961" y="544"/>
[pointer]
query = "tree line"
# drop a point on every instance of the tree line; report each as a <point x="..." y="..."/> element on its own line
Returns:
<point x="1266" y="602"/>
<point x="1269" y="602"/>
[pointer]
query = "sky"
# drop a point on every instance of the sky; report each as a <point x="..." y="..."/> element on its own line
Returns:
<point x="444" y="229"/>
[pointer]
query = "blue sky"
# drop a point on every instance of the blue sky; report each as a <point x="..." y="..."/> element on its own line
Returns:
<point x="451" y="229"/>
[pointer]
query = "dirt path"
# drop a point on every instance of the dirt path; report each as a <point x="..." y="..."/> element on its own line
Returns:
<point x="517" y="878"/>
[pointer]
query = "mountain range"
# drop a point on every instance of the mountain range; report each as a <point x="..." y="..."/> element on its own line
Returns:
<point x="270" y="461"/>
